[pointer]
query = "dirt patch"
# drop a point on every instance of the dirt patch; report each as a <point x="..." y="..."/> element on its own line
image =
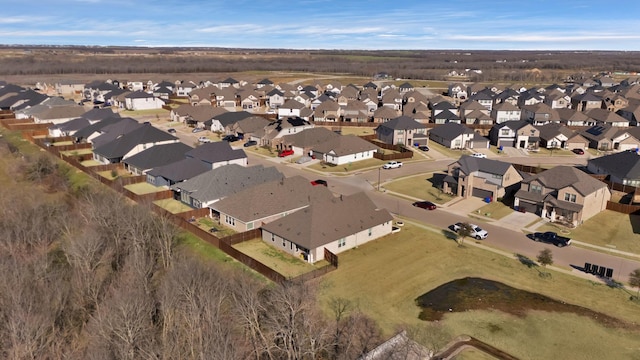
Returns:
<point x="482" y="294"/>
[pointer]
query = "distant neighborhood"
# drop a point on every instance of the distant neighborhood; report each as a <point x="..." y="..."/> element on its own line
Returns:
<point x="303" y="122"/>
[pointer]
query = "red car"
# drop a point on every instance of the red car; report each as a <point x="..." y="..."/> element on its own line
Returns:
<point x="319" y="182"/>
<point x="425" y="205"/>
<point x="284" y="153"/>
<point x="578" y="151"/>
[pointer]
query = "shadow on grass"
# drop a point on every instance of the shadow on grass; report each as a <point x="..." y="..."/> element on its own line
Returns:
<point x="450" y="235"/>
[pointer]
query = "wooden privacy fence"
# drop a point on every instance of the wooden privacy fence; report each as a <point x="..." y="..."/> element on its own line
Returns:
<point x="623" y="208"/>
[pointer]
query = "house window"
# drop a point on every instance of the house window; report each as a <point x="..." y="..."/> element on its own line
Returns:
<point x="229" y="220"/>
<point x="457" y="144"/>
<point x="250" y="226"/>
<point x="570" y="197"/>
<point x="342" y="242"/>
<point x="535" y="189"/>
<point x="504" y="132"/>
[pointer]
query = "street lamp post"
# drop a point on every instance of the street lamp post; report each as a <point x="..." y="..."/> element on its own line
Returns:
<point x="379" y="169"/>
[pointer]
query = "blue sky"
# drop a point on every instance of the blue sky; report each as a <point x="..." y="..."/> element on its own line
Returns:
<point x="326" y="24"/>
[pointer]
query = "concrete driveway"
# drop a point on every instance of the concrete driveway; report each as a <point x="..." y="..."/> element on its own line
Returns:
<point x="518" y="220"/>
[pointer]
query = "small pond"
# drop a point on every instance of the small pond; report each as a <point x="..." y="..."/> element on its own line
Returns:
<point x="482" y="294"/>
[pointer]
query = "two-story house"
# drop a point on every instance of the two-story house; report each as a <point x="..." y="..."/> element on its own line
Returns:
<point x="479" y="177"/>
<point x="563" y="193"/>
<point x="519" y="134"/>
<point x="402" y="130"/>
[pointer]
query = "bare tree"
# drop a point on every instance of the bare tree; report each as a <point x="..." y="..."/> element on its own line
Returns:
<point x="464" y="231"/>
<point x="634" y="280"/>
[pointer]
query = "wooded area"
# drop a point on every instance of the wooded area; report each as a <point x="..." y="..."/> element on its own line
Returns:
<point x="541" y="66"/>
<point x="89" y="275"/>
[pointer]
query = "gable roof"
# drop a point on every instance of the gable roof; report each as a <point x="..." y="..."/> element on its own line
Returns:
<point x="450" y="131"/>
<point x="469" y="164"/>
<point x="86" y="131"/>
<point x="226" y="180"/>
<point x="402" y="123"/>
<point x="180" y="170"/>
<point x="560" y="177"/>
<point x="345" y="145"/>
<point x="310" y="137"/>
<point x="329" y="220"/>
<point x="158" y="155"/>
<point x="272" y="198"/>
<point x="110" y="132"/>
<point x="623" y="165"/>
<point x="215" y="152"/>
<point x="145" y="134"/>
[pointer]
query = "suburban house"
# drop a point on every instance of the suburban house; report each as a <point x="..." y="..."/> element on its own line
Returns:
<point x="155" y="156"/>
<point x="519" y="134"/>
<point x="216" y="154"/>
<point x="208" y="187"/>
<point x="586" y="101"/>
<point x="457" y="136"/>
<point x="571" y="117"/>
<point x="90" y="132"/>
<point x="600" y="137"/>
<point x="622" y="167"/>
<point x="247" y="127"/>
<point x="626" y="139"/>
<point x="175" y="172"/>
<point x="402" y="130"/>
<point x="140" y="100"/>
<point x="606" y="117"/>
<point x="262" y="203"/>
<point x="290" y="108"/>
<point x="131" y="143"/>
<point x="479" y="177"/>
<point x="558" y="136"/>
<point x="344" y="149"/>
<point x="457" y="91"/>
<point x="539" y="114"/>
<point x="384" y="114"/>
<point x="563" y="193"/>
<point x="337" y="224"/>
<point x="328" y="110"/>
<point x="272" y="133"/>
<point x="225" y="120"/>
<point x="305" y="141"/>
<point x="58" y="114"/>
<point x="68" y="128"/>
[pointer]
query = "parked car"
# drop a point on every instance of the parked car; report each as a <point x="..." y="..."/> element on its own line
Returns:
<point x="551" y="237"/>
<point x="204" y="139"/>
<point x="476" y="231"/>
<point x="286" y="152"/>
<point x="230" y="138"/>
<point x="197" y="130"/>
<point x="423" y="147"/>
<point x="392" y="165"/>
<point x="319" y="182"/>
<point x="578" y="151"/>
<point x="479" y="155"/>
<point x="171" y="131"/>
<point x="425" y="205"/>
<point x="250" y="143"/>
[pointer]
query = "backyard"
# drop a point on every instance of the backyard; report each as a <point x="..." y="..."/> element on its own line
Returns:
<point x="414" y="261"/>
<point x="419" y="187"/>
<point x="284" y="263"/>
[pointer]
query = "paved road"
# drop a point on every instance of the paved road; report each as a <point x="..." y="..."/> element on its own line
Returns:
<point x="503" y="237"/>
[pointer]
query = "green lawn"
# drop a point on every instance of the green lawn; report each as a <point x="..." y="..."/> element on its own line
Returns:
<point x="608" y="228"/>
<point x="454" y="154"/>
<point x="277" y="260"/>
<point x="419" y="187"/>
<point x="206" y="223"/>
<point x="384" y="278"/>
<point x="202" y="248"/>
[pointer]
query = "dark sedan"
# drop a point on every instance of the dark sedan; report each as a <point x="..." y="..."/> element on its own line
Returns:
<point x="425" y="205"/>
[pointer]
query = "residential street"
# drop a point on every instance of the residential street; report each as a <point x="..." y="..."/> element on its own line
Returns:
<point x="502" y="235"/>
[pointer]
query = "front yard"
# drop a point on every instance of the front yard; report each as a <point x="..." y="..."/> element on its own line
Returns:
<point x="609" y="229"/>
<point x="346" y="168"/>
<point x="495" y="210"/>
<point x="419" y="187"/>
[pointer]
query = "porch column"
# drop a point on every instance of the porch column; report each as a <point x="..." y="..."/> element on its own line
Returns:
<point x="544" y="211"/>
<point x="553" y="214"/>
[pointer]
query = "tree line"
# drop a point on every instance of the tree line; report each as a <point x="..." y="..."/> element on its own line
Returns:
<point x="90" y="275"/>
<point x="417" y="64"/>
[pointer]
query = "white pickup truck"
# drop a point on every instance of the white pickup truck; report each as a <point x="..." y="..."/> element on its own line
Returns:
<point x="392" y="165"/>
<point x="476" y="231"/>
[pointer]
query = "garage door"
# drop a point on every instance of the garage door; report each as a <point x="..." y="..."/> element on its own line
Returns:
<point x="481" y="193"/>
<point x="528" y="207"/>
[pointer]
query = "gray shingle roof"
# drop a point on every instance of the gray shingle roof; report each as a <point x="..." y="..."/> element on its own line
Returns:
<point x="623" y="165"/>
<point x="180" y="170"/>
<point x="158" y="155"/>
<point x="470" y="164"/>
<point x="271" y="198"/>
<point x="345" y="145"/>
<point x="562" y="176"/>
<point x="403" y="123"/>
<point x="88" y="130"/>
<point x="145" y="134"/>
<point x="215" y="152"/>
<point x="330" y="220"/>
<point x="226" y="180"/>
<point x="450" y="131"/>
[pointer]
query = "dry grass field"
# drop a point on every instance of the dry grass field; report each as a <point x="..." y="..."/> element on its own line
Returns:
<point x="385" y="276"/>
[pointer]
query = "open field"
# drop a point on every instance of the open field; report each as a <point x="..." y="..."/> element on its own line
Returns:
<point x="419" y="187"/>
<point x="608" y="228"/>
<point x="414" y="261"/>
